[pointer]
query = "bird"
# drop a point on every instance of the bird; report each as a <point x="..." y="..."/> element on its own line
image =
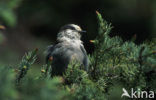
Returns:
<point x="68" y="47"/>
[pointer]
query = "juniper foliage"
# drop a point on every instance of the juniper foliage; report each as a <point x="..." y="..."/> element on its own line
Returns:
<point x="113" y="65"/>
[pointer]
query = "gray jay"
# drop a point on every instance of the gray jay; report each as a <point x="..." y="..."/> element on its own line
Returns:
<point x="68" y="47"/>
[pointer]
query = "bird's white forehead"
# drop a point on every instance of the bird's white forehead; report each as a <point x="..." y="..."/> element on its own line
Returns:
<point x="76" y="27"/>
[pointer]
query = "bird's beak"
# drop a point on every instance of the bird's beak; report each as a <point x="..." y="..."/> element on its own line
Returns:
<point x="82" y="31"/>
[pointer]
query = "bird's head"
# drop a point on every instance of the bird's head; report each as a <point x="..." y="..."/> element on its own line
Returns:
<point x="70" y="31"/>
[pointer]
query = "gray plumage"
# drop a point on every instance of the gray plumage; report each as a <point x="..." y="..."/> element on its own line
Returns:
<point x="68" y="47"/>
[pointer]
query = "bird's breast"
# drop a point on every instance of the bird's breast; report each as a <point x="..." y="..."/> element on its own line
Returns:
<point x="68" y="51"/>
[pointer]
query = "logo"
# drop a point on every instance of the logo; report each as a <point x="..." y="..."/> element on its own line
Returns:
<point x="137" y="94"/>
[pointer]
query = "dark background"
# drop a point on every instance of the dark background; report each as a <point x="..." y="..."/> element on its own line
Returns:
<point x="34" y="23"/>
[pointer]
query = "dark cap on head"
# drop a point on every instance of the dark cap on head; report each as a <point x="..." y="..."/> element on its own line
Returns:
<point x="72" y="27"/>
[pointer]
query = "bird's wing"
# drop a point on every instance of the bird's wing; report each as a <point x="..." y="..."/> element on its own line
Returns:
<point x="85" y="60"/>
<point x="50" y="48"/>
<point x="48" y="51"/>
